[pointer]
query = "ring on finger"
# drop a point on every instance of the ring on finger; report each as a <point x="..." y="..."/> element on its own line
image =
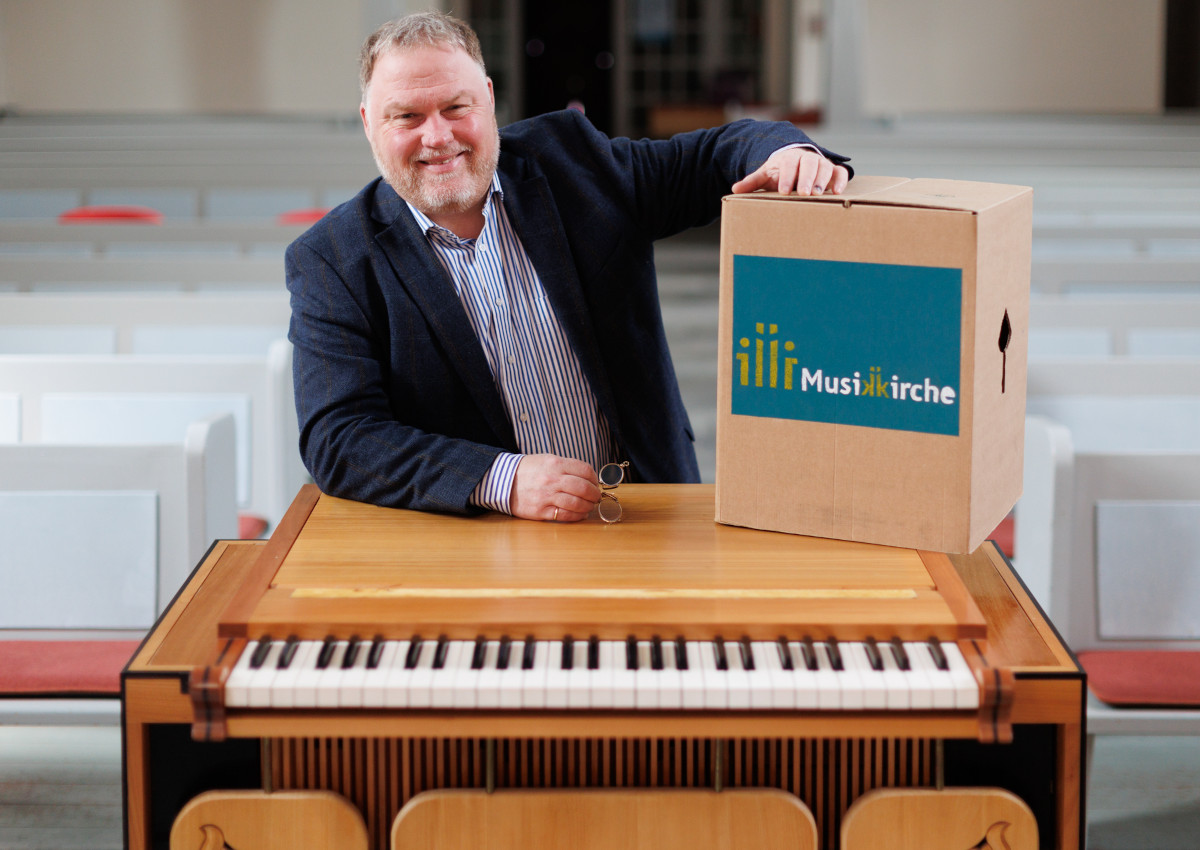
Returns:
<point x="556" y="514"/>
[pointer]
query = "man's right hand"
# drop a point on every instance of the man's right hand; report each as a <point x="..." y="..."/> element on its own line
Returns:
<point x="554" y="489"/>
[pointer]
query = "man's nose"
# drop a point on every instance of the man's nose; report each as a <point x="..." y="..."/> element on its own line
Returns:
<point x="437" y="132"/>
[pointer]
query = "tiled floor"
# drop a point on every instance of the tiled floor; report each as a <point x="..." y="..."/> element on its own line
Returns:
<point x="60" y="789"/>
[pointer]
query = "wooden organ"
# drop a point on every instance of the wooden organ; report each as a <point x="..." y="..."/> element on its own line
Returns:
<point x="383" y="654"/>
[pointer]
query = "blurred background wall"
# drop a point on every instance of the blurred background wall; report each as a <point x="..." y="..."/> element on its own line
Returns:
<point x="636" y="65"/>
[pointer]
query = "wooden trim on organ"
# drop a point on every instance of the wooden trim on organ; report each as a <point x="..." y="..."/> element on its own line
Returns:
<point x="341" y="568"/>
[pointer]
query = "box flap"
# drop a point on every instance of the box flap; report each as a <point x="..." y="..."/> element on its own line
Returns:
<point x="923" y="192"/>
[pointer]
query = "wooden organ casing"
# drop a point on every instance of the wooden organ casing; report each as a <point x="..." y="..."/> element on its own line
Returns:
<point x="343" y="568"/>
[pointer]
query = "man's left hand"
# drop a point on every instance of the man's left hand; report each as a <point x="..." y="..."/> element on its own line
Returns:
<point x="799" y="170"/>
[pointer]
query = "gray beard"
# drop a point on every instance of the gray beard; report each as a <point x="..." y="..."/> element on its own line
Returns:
<point x="433" y="199"/>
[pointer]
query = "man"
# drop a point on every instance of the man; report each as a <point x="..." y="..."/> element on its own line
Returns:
<point x="480" y="328"/>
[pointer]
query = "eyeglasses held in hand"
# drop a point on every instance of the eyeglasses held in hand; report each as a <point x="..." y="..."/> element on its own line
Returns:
<point x="611" y="475"/>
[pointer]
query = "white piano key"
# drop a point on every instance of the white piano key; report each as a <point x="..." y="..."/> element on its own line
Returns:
<point x="874" y="688"/>
<point x="579" y="677"/>
<point x="328" y="685"/>
<point x="420" y="681"/>
<point x="895" y="681"/>
<point x="399" y="677"/>
<point x="488" y="686"/>
<point x="350" y="695"/>
<point x="283" y="692"/>
<point x="783" y="695"/>
<point x="670" y="687"/>
<point x="716" y="687"/>
<point x="966" y="689"/>
<point x="375" y="681"/>
<point x="263" y="679"/>
<point x="304" y="689"/>
<point x="624" y="679"/>
<point x="601" y="682"/>
<point x="828" y="684"/>
<point x="534" y="695"/>
<point x="237" y="686"/>
<point x="645" y="680"/>
<point x="454" y="686"/>
<point x="920" y="683"/>
<point x="938" y="682"/>
<point x="512" y="680"/>
<point x="691" y="680"/>
<point x="804" y="681"/>
<point x="556" y="676"/>
<point x="759" y="679"/>
<point x="850" y="681"/>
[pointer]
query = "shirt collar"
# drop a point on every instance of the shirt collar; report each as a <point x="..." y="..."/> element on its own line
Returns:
<point x="429" y="228"/>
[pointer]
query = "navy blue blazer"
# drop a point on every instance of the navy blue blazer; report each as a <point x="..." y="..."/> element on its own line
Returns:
<point x="396" y="403"/>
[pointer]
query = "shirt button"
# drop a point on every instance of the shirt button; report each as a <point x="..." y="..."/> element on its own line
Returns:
<point x="512" y="358"/>
<point x="524" y="417"/>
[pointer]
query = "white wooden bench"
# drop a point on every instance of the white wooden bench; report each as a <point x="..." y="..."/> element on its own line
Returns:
<point x="133" y="398"/>
<point x="182" y="272"/>
<point x="1119" y="325"/>
<point x="97" y="540"/>
<point x="243" y="323"/>
<point x="1134" y="276"/>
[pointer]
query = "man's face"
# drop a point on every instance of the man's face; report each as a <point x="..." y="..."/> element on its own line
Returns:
<point x="430" y="117"/>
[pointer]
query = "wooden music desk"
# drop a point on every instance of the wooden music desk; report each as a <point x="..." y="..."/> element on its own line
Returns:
<point x="826" y="758"/>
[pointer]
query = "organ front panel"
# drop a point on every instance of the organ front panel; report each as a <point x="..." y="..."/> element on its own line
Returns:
<point x="384" y="652"/>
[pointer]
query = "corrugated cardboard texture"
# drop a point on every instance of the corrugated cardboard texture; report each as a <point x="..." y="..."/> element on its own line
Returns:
<point x="875" y="484"/>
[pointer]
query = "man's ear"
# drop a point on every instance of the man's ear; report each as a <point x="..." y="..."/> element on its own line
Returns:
<point x="362" y="111"/>
<point x="491" y="93"/>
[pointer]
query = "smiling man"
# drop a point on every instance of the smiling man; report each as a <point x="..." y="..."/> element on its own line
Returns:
<point x="480" y="328"/>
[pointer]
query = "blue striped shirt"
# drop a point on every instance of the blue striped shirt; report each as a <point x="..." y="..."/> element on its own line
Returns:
<point x="549" y="402"/>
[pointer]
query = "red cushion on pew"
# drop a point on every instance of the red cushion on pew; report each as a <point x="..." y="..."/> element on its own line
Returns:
<point x="309" y="216"/>
<point x="63" y="667"/>
<point x="111" y="214"/>
<point x="251" y="526"/>
<point x="1144" y="677"/>
<point x="1003" y="535"/>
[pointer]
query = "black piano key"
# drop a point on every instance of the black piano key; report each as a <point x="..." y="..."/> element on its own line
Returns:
<point x="568" y="653"/>
<point x="719" y="648"/>
<point x="288" y="653"/>
<point x="414" y="653"/>
<point x="656" y="654"/>
<point x="939" y="656"/>
<point x="631" y="659"/>
<point x="747" y="653"/>
<point x="326" y="653"/>
<point x="505" y="652"/>
<point x="593" y="659"/>
<point x="835" y="653"/>
<point x="808" y="653"/>
<point x="439" y="654"/>
<point x="260" y="652"/>
<point x="479" y="653"/>
<point x="681" y="653"/>
<point x="900" y="654"/>
<point x="352" y="648"/>
<point x="873" y="655"/>
<point x="528" y="653"/>
<point x="785" y="654"/>
<point x="376" y="653"/>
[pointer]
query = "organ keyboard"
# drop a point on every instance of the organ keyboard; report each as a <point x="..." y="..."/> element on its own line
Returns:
<point x="785" y="674"/>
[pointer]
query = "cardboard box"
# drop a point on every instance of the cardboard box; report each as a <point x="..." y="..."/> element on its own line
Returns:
<point x="872" y="355"/>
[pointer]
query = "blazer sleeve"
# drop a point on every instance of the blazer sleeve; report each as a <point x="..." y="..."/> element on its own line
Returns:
<point x="354" y="442"/>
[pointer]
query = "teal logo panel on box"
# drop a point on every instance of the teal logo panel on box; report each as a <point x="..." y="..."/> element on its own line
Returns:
<point x="866" y="344"/>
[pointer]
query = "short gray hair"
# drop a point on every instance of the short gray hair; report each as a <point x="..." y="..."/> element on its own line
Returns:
<point x="421" y="29"/>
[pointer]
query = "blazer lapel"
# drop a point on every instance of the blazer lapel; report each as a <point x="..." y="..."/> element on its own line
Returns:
<point x="426" y="281"/>
<point x="533" y="215"/>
